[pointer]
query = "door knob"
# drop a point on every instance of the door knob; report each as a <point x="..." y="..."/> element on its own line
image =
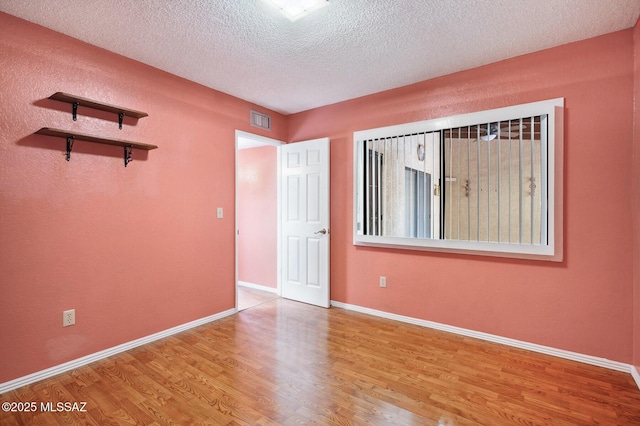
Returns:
<point x="322" y="231"/>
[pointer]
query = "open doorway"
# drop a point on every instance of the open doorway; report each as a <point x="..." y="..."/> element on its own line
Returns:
<point x="257" y="220"/>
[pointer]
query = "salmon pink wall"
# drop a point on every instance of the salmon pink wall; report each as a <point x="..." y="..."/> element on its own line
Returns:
<point x="583" y="304"/>
<point x="257" y="216"/>
<point x="133" y="250"/>
<point x="138" y="250"/>
<point x="636" y="196"/>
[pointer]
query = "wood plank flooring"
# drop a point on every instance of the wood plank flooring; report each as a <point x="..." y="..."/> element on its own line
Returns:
<point x="250" y="297"/>
<point x="287" y="363"/>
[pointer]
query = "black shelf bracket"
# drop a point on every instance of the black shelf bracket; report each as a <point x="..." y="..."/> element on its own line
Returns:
<point x="128" y="153"/>
<point x="74" y="111"/>
<point x="120" y="119"/>
<point x="70" y="140"/>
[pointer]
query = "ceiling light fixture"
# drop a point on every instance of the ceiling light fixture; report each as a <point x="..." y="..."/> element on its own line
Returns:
<point x="295" y="9"/>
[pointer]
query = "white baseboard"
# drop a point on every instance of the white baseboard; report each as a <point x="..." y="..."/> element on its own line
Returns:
<point x="258" y="287"/>
<point x="79" y="362"/>
<point x="636" y="375"/>
<point x="587" y="359"/>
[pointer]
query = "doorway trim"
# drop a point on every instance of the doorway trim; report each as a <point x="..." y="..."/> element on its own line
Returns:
<point x="242" y="138"/>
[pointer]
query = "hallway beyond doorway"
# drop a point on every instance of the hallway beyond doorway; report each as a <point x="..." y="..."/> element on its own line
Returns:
<point x="250" y="297"/>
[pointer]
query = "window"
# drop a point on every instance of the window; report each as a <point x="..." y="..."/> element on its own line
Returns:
<point x="483" y="183"/>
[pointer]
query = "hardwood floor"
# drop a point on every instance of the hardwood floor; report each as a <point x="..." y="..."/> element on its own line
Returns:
<point x="250" y="297"/>
<point x="283" y="363"/>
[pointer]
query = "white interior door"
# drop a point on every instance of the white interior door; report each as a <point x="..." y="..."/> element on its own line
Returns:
<point x="305" y="244"/>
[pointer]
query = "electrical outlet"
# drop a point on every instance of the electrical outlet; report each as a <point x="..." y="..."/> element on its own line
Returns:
<point x="383" y="282"/>
<point x="68" y="317"/>
<point x="219" y="213"/>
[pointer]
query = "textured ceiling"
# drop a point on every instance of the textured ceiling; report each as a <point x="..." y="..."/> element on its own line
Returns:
<point x="347" y="49"/>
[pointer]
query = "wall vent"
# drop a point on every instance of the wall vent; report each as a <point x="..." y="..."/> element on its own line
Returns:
<point x="260" y="120"/>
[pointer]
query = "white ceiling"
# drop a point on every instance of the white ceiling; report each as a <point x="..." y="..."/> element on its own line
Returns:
<point x="347" y="49"/>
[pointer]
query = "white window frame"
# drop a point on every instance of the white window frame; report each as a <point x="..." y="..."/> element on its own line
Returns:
<point x="551" y="251"/>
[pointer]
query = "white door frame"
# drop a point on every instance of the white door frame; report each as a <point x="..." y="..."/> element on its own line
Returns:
<point x="241" y="138"/>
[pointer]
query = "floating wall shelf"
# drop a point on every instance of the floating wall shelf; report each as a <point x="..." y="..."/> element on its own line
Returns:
<point x="71" y="137"/>
<point x="77" y="100"/>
